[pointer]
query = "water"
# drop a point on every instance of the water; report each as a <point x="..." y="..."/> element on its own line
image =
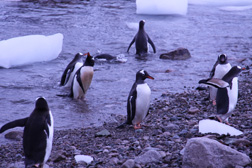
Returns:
<point x="108" y="26"/>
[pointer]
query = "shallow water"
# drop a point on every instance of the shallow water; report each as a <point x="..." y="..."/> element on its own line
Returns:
<point x="108" y="26"/>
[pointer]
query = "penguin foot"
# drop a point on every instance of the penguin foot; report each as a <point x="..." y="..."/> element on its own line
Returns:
<point x="220" y="120"/>
<point x="214" y="102"/>
<point x="137" y="126"/>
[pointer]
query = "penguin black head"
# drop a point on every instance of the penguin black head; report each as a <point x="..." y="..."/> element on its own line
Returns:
<point x="235" y="70"/>
<point x="142" y="75"/>
<point x="41" y="104"/>
<point x="78" y="56"/>
<point x="89" y="60"/>
<point x="141" y="24"/>
<point x="222" y="59"/>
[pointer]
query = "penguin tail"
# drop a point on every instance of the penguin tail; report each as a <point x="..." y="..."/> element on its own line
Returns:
<point x="63" y="95"/>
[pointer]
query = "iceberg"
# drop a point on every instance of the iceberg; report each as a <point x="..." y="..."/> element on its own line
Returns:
<point x="29" y="49"/>
<point x="221" y="3"/>
<point x="161" y="7"/>
<point x="212" y="126"/>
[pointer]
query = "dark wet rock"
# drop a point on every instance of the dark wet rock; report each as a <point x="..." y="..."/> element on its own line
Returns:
<point x="178" y="54"/>
<point x="193" y="110"/>
<point x="58" y="156"/>
<point x="103" y="133"/>
<point x="128" y="164"/>
<point x="205" y="152"/>
<point x="148" y="157"/>
<point x="14" y="135"/>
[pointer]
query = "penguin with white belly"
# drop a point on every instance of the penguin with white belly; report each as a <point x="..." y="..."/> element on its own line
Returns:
<point x="220" y="68"/>
<point x="82" y="78"/>
<point x="38" y="134"/>
<point x="72" y="67"/>
<point x="227" y="93"/>
<point x="138" y="100"/>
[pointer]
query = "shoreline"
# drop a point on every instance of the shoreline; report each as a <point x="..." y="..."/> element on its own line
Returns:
<point x="173" y="119"/>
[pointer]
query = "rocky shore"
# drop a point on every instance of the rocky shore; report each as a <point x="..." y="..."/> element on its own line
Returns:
<point x="172" y="121"/>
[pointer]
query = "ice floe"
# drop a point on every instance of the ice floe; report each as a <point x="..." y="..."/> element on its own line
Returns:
<point x="161" y="7"/>
<point x="29" y="49"/>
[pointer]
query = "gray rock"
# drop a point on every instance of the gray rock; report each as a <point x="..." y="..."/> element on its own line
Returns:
<point x="14" y="135"/>
<point x="193" y="110"/>
<point x="178" y="54"/>
<point x="148" y="157"/>
<point x="103" y="133"/>
<point x="128" y="164"/>
<point x="205" y="152"/>
<point x="15" y="165"/>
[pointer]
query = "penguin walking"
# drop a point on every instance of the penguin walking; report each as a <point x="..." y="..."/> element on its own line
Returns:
<point x="82" y="78"/>
<point x="72" y="67"/>
<point x="227" y="93"/>
<point x="220" y="68"/>
<point x="38" y="133"/>
<point x="141" y="40"/>
<point x="138" y="100"/>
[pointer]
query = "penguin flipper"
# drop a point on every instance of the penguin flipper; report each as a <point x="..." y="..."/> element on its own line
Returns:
<point x="16" y="123"/>
<point x="134" y="39"/>
<point x="218" y="83"/>
<point x="131" y="104"/>
<point x="213" y="69"/>
<point x="152" y="44"/>
<point x="63" y="78"/>
<point x="79" y="80"/>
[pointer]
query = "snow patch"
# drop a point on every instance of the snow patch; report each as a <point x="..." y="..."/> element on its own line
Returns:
<point x="212" y="126"/>
<point x="83" y="158"/>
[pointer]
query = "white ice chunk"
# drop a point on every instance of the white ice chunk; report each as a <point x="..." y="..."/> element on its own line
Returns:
<point x="236" y="8"/>
<point x="161" y="7"/>
<point x="212" y="126"/>
<point x="29" y="49"/>
<point x="83" y="158"/>
<point x="221" y="2"/>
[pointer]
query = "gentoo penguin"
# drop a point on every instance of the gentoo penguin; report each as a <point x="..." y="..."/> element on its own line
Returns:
<point x="72" y="67"/>
<point x="82" y="78"/>
<point x="38" y="134"/>
<point x="227" y="93"/>
<point x="220" y="68"/>
<point x="141" y="40"/>
<point x="138" y="100"/>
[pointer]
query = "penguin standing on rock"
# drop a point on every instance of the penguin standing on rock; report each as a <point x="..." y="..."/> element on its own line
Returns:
<point x="220" y="68"/>
<point x="138" y="100"/>
<point x="227" y="93"/>
<point x="82" y="78"/>
<point x="38" y="134"/>
<point x="141" y="40"/>
<point x="72" y="67"/>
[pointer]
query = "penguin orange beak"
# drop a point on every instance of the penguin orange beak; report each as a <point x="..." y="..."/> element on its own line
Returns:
<point x="150" y="77"/>
<point x="87" y="54"/>
<point x="246" y="68"/>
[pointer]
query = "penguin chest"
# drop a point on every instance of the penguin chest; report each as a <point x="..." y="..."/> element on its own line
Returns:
<point x="142" y="102"/>
<point x="233" y="94"/>
<point x="76" y="67"/>
<point x="86" y="76"/>
<point x="221" y="70"/>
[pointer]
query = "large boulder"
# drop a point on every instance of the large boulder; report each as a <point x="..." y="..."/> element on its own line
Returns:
<point x="178" y="54"/>
<point x="204" y="152"/>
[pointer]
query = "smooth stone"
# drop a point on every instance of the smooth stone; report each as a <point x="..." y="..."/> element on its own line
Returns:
<point x="83" y="158"/>
<point x="178" y="54"/>
<point x="103" y="133"/>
